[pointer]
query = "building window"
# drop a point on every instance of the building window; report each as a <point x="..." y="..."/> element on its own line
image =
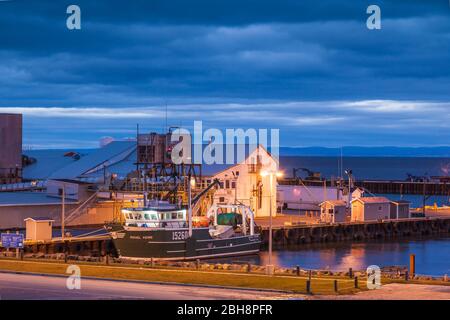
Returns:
<point x="233" y="184"/>
<point x="237" y="173"/>
<point x="222" y="199"/>
<point x="227" y="184"/>
<point x="380" y="208"/>
<point x="221" y="184"/>
<point x="330" y="211"/>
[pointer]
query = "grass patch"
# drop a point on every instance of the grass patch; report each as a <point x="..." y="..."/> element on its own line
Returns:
<point x="217" y="278"/>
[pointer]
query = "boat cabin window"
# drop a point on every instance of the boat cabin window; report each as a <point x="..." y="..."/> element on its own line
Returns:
<point x="174" y="215"/>
<point x="147" y="216"/>
<point x="180" y="215"/>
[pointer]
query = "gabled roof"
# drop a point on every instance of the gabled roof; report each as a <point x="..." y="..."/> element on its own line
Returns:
<point x="365" y="200"/>
<point x="215" y="169"/>
<point x="39" y="219"/>
<point x="334" y="202"/>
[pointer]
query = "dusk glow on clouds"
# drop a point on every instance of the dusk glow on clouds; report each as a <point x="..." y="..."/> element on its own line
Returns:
<point x="311" y="69"/>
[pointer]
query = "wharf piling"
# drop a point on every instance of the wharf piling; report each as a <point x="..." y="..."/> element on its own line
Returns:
<point x="96" y="246"/>
<point x="389" y="229"/>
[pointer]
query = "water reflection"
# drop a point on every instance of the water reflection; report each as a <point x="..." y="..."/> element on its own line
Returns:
<point x="432" y="256"/>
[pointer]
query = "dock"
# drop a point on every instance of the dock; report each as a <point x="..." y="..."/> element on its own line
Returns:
<point x="100" y="245"/>
<point x="357" y="231"/>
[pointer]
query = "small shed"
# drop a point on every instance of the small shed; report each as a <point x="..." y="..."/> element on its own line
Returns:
<point x="370" y="208"/>
<point x="333" y="211"/>
<point x="38" y="228"/>
<point x="400" y="209"/>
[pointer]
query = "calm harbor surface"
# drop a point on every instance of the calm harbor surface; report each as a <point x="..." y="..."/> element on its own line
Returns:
<point x="432" y="255"/>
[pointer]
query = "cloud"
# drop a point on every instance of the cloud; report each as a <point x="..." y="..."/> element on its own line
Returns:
<point x="311" y="68"/>
<point x="330" y="123"/>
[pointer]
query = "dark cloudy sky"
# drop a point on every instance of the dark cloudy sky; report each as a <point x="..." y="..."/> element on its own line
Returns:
<point x="310" y="68"/>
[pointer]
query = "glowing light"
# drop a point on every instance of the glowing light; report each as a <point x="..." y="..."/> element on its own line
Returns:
<point x="276" y="173"/>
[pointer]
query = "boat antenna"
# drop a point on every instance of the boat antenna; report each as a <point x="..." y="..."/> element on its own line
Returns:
<point x="165" y="130"/>
<point x="137" y="146"/>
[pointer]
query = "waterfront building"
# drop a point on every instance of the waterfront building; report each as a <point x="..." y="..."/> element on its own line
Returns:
<point x="400" y="209"/>
<point x="334" y="211"/>
<point x="39" y="228"/>
<point x="370" y="209"/>
<point x="244" y="183"/>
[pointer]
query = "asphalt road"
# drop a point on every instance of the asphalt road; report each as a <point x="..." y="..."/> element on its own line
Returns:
<point x="25" y="287"/>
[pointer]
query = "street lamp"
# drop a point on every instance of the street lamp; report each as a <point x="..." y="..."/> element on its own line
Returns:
<point x="263" y="174"/>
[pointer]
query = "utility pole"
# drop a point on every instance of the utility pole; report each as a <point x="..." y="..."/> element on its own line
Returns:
<point x="63" y="213"/>
<point x="425" y="197"/>
<point x="424" y="200"/>
<point x="270" y="221"/>
<point x="349" y="173"/>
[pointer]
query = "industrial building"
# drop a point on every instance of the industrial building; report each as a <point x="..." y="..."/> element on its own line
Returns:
<point x="10" y="148"/>
<point x="246" y="182"/>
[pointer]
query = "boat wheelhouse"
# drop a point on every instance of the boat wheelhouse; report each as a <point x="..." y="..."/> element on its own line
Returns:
<point x="158" y="216"/>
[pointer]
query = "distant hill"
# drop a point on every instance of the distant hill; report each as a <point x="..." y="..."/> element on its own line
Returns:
<point x="350" y="151"/>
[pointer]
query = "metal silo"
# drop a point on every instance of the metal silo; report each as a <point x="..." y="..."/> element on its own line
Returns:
<point x="10" y="148"/>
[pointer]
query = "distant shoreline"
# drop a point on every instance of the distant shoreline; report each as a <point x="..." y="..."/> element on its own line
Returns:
<point x="347" y="152"/>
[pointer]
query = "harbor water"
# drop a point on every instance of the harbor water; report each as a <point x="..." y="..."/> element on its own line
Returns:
<point x="432" y="255"/>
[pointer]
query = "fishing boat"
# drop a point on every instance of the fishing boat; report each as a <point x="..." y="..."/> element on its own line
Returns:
<point x="163" y="231"/>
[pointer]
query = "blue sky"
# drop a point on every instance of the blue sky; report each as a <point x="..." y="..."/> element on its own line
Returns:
<point x="310" y="68"/>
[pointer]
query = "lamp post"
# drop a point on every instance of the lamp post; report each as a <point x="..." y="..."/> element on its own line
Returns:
<point x="271" y="174"/>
